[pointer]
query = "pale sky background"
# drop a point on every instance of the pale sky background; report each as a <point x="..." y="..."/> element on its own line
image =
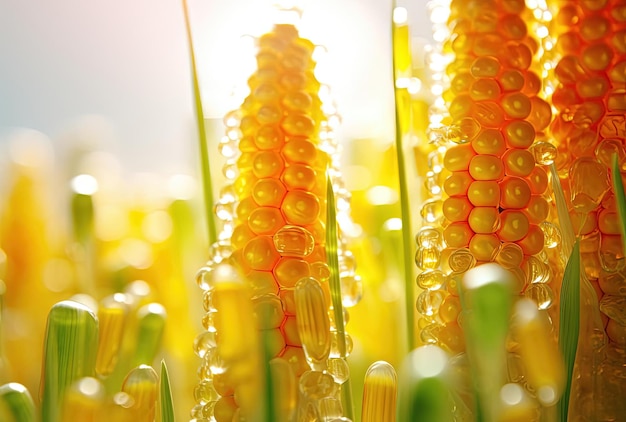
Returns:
<point x="116" y="72"/>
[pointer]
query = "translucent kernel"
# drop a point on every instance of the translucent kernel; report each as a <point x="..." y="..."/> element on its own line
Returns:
<point x="544" y="153"/>
<point x="514" y="226"/>
<point x="484" y="247"/>
<point x="541" y="294"/>
<point x="551" y="234"/>
<point x="290" y="270"/>
<point x="312" y="320"/>
<point x="351" y="290"/>
<point x="588" y="184"/>
<point x="429" y="301"/>
<point x="317" y="385"/>
<point x="431" y="279"/>
<point x="484" y="220"/>
<point x="379" y="393"/>
<point x="461" y="260"/>
<point x="510" y="256"/>
<point x="486" y="167"/>
<point x="605" y="150"/>
<point x="613" y="283"/>
<point x="615" y="308"/>
<point x="339" y="369"/>
<point x="484" y="193"/>
<point x="518" y="162"/>
<point x="294" y="241"/>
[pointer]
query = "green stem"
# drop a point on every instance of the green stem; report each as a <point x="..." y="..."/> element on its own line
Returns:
<point x="404" y="207"/>
<point x="204" y="153"/>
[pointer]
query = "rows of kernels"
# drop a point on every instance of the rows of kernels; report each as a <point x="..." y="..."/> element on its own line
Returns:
<point x="589" y="129"/>
<point x="494" y="193"/>
<point x="277" y="147"/>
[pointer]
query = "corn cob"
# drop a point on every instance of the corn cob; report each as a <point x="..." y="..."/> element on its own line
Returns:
<point x="278" y="147"/>
<point x="590" y="97"/>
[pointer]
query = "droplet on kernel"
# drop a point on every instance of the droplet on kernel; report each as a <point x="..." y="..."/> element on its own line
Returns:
<point x="294" y="241"/>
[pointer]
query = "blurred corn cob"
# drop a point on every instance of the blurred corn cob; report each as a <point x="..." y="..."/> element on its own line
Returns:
<point x="279" y="146"/>
<point x="590" y="96"/>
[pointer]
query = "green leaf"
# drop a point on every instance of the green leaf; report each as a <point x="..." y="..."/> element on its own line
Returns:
<point x="70" y="348"/>
<point x="407" y="236"/>
<point x="149" y="334"/>
<point x="569" y="323"/>
<point x="270" y="405"/>
<point x="335" y="288"/>
<point x="565" y="222"/>
<point x="620" y="197"/>
<point x="165" y="394"/>
<point x="16" y="404"/>
<point x="207" y="184"/>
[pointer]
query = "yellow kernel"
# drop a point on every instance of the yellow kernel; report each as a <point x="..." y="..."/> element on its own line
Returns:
<point x="619" y="41"/>
<point x="241" y="235"/>
<point x="298" y="101"/>
<point x="486" y="167"/>
<point x="485" y="67"/>
<point x="379" y="393"/>
<point x="532" y="244"/>
<point x="289" y="271"/>
<point x="514" y="226"/>
<point x="267" y="164"/>
<point x="265" y="220"/>
<point x="312" y="320"/>
<point x="512" y="27"/>
<point x="608" y="222"/>
<point x="460" y="106"/>
<point x="262" y="282"/>
<point x="489" y="141"/>
<point x="594" y="87"/>
<point x="511" y="80"/>
<point x="457" y="183"/>
<point x="484" y="89"/>
<point x="514" y="193"/>
<point x="296" y="359"/>
<point x="268" y="192"/>
<point x="597" y="56"/>
<point x="516" y="105"/>
<point x="484" y="219"/>
<point x="456" y="208"/>
<point x="245" y="207"/>
<point x="266" y="93"/>
<point x="249" y="125"/>
<point x="532" y="84"/>
<point x="298" y="124"/>
<point x="269" y="114"/>
<point x="519" y="134"/>
<point x="518" y="56"/>
<point x="450" y="308"/>
<point x="484" y="247"/>
<point x="225" y="409"/>
<point x="616" y="332"/>
<point x="269" y="311"/>
<point x="269" y="137"/>
<point x="300" y="150"/>
<point x="584" y="223"/>
<point x="518" y="162"/>
<point x="484" y="193"/>
<point x="538" y="180"/>
<point x="274" y="342"/>
<point x="618" y="72"/>
<point x="300" y="208"/>
<point x="457" y="158"/>
<point x="260" y="253"/>
<point x="457" y="235"/>
<point x="537" y="210"/>
<point x="299" y="176"/>
<point x="461" y="83"/>
<point x="540" y="113"/>
<point x="452" y="338"/>
<point x="290" y="331"/>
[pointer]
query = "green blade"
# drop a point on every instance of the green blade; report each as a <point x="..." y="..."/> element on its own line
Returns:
<point x="165" y="396"/>
<point x="16" y="404"/>
<point x="620" y="197"/>
<point x="569" y="324"/>
<point x="207" y="184"/>
<point x="335" y="288"/>
<point x="404" y="201"/>
<point x="70" y="348"/>
<point x="152" y="319"/>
